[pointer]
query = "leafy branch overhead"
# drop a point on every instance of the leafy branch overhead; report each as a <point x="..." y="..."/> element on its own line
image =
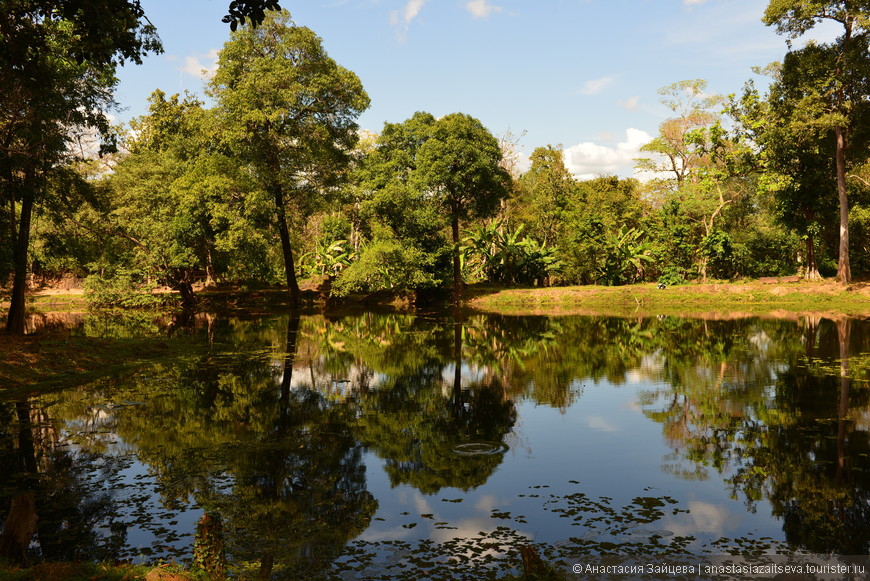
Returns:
<point x="254" y="11"/>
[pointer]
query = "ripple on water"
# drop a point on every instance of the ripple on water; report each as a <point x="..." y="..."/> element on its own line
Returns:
<point x="479" y="448"/>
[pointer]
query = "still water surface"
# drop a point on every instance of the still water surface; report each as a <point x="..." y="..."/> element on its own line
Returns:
<point x="407" y="446"/>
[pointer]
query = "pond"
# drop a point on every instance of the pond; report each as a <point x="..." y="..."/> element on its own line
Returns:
<point x="434" y="445"/>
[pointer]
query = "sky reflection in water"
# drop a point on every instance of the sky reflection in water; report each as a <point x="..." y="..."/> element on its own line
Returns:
<point x="403" y="444"/>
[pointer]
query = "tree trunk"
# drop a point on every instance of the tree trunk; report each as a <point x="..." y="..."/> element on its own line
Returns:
<point x="267" y="562"/>
<point x="188" y="297"/>
<point x="289" y="359"/>
<point x="844" y="272"/>
<point x="457" y="370"/>
<point x="19" y="529"/>
<point x="21" y="520"/>
<point x="811" y="332"/>
<point x="284" y="233"/>
<point x="210" y="275"/>
<point x="209" y="554"/>
<point x="812" y="270"/>
<point x="457" y="265"/>
<point x="21" y="245"/>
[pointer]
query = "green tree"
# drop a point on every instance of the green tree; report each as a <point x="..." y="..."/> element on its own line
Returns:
<point x="401" y="245"/>
<point x="683" y="141"/>
<point x="625" y="253"/>
<point x="795" y="164"/>
<point x="459" y="165"/>
<point x="840" y="87"/>
<point x="289" y="111"/>
<point x="182" y="208"/>
<point x="597" y="206"/>
<point x="58" y="62"/>
<point x="544" y="191"/>
<point x="706" y="171"/>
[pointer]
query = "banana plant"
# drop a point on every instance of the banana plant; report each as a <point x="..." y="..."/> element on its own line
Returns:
<point x="625" y="253"/>
<point x="328" y="258"/>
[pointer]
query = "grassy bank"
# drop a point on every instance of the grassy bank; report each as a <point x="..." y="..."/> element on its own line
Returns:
<point x="58" y="359"/>
<point x="95" y="572"/>
<point x="710" y="299"/>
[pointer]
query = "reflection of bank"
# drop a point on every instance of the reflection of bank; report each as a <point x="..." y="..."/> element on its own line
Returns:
<point x="51" y="506"/>
<point x="792" y="440"/>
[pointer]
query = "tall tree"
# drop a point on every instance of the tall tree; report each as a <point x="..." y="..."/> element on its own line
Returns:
<point x="544" y="191"/>
<point x="58" y="61"/>
<point x="459" y="165"/>
<point x="843" y="87"/>
<point x="795" y="163"/>
<point x="290" y="111"/>
<point x="180" y="206"/>
<point x="703" y="168"/>
<point x="683" y="141"/>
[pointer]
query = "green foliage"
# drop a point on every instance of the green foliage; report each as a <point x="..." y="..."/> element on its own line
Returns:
<point x="595" y="207"/>
<point x="458" y="164"/>
<point x="718" y="249"/>
<point x="826" y="85"/>
<point x="543" y="193"/>
<point x="625" y="252"/>
<point x="387" y="264"/>
<point x="766" y="250"/>
<point x="182" y="208"/>
<point x="494" y="253"/>
<point x="58" y="66"/>
<point x="120" y="288"/>
<point x="253" y="11"/>
<point x="672" y="275"/>
<point x="684" y="142"/>
<point x="288" y="112"/>
<point x="328" y="258"/>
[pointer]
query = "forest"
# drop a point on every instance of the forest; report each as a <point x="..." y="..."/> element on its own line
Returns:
<point x="274" y="183"/>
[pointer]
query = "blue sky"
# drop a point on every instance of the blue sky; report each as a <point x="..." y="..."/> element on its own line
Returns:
<point x="582" y="74"/>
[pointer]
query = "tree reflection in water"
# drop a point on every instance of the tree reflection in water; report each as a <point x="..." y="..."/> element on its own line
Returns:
<point x="266" y="425"/>
<point x="53" y="503"/>
<point x="791" y="439"/>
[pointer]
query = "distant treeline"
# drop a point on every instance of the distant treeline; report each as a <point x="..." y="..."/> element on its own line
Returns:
<point x="275" y="181"/>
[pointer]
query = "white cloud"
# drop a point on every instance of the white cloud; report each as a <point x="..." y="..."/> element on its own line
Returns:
<point x="595" y="86"/>
<point x="481" y="8"/>
<point x="630" y="104"/>
<point x="600" y="424"/>
<point x="587" y="160"/>
<point x="703" y="517"/>
<point x="202" y="66"/>
<point x="403" y="18"/>
<point x="693" y="2"/>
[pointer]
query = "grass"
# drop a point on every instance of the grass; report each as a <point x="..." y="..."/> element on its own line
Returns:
<point x="89" y="572"/>
<point x="752" y="297"/>
<point x="58" y="359"/>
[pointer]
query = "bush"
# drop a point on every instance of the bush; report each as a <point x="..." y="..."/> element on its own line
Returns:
<point x="387" y="264"/>
<point x="120" y="288"/>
